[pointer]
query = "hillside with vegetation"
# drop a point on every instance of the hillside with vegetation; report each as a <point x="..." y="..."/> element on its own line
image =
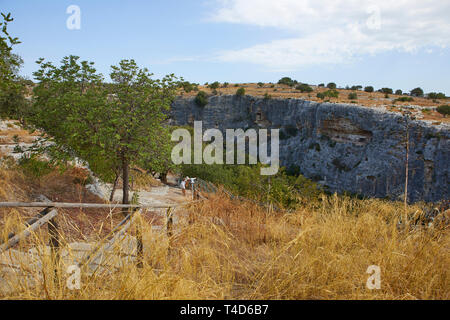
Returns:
<point x="69" y="133"/>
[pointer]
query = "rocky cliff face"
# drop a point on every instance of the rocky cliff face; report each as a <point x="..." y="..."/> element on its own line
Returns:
<point x="344" y="147"/>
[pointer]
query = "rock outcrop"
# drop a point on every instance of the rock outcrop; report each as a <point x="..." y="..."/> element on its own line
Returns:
<point x="344" y="147"/>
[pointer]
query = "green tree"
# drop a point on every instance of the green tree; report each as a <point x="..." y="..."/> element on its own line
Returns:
<point x="111" y="127"/>
<point x="12" y="87"/>
<point x="417" y="92"/>
<point x="201" y="99"/>
<point x="368" y="89"/>
<point x="444" y="110"/>
<point x="303" y="87"/>
<point x="352" y="96"/>
<point x="214" y="85"/>
<point x="331" y="85"/>
<point x="240" y="92"/>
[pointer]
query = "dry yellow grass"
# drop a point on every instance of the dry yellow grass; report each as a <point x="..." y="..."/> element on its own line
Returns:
<point x="228" y="250"/>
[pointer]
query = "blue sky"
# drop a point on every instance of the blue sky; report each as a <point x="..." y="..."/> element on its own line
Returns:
<point x="401" y="45"/>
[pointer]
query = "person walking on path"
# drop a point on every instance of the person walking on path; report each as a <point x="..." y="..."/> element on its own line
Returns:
<point x="183" y="186"/>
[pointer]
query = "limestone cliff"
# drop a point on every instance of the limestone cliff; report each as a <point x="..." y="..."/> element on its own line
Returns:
<point x="344" y="147"/>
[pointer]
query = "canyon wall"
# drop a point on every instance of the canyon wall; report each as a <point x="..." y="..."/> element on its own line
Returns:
<point x="343" y="147"/>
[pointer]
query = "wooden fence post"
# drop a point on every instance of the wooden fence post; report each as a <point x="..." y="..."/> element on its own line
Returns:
<point x="53" y="232"/>
<point x="140" y="246"/>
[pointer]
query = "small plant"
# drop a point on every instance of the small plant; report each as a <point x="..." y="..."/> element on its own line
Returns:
<point x="214" y="85"/>
<point x="201" y="99"/>
<point x="303" y="87"/>
<point x="320" y="95"/>
<point x="35" y="167"/>
<point x="444" y="110"/>
<point x="331" y="93"/>
<point x="240" y="92"/>
<point x="267" y="96"/>
<point x="404" y="99"/>
<point x="352" y="96"/>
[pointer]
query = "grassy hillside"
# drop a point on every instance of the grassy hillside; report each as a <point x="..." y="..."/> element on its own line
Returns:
<point x="222" y="249"/>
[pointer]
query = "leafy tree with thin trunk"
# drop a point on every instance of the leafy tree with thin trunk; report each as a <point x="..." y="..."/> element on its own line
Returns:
<point x="12" y="89"/>
<point x="109" y="126"/>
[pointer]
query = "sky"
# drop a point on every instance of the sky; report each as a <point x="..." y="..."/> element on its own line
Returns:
<point x="399" y="44"/>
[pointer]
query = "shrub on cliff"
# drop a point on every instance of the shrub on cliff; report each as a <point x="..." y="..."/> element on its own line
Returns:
<point x="214" y="85"/>
<point x="444" y="110"/>
<point x="331" y="85"/>
<point x="260" y="84"/>
<point x="352" y="96"/>
<point x="201" y="99"/>
<point x="398" y="92"/>
<point x="240" y="92"/>
<point x="331" y="93"/>
<point x="320" y="95"/>
<point x="386" y="90"/>
<point x="368" y="89"/>
<point x="417" y="92"/>
<point x="434" y="95"/>
<point x="287" y="81"/>
<point x="303" y="87"/>
<point x="404" y="99"/>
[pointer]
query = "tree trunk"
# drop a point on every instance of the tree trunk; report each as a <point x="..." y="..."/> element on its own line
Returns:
<point x="116" y="181"/>
<point x="164" y="177"/>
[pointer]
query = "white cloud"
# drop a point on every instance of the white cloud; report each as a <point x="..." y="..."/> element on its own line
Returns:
<point x="335" y="31"/>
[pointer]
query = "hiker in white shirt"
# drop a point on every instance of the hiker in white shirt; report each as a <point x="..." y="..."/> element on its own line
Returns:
<point x="183" y="186"/>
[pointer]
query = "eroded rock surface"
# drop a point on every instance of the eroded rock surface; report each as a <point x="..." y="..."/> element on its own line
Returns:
<point x="344" y="147"/>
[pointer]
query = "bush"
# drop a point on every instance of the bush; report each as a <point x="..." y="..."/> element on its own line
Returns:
<point x="240" y="92"/>
<point x="260" y="84"/>
<point x="356" y="87"/>
<point x="303" y="87"/>
<point x="321" y="85"/>
<point x="368" y="89"/>
<point x="434" y="95"/>
<point x="267" y="96"/>
<point x="352" y="96"/>
<point x="404" y="99"/>
<point x="320" y="95"/>
<point x="214" y="85"/>
<point x="387" y="90"/>
<point x="287" y="81"/>
<point x="417" y="92"/>
<point x="331" y="85"/>
<point x="201" y="99"/>
<point x="398" y="92"/>
<point x="187" y="86"/>
<point x="34" y="167"/>
<point x="331" y="93"/>
<point x="225" y="85"/>
<point x="444" y="110"/>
